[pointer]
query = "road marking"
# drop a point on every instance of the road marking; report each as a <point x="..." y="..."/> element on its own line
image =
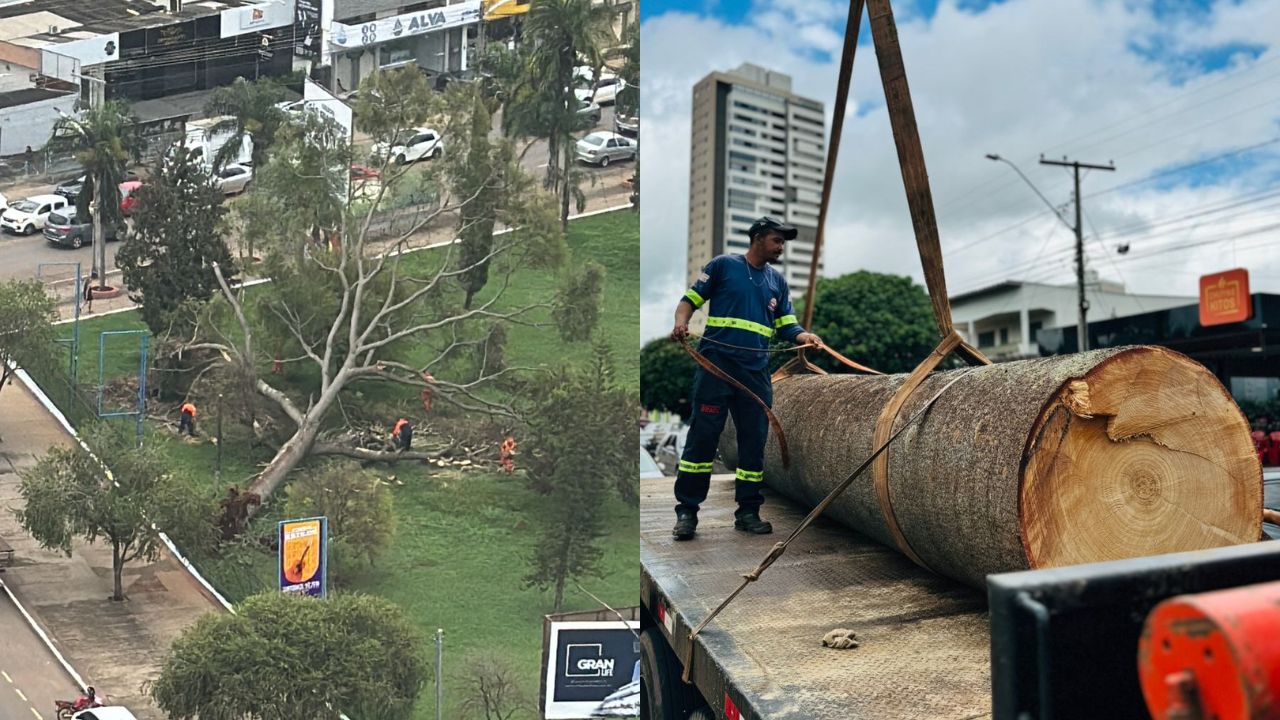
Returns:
<point x="24" y="697"/>
<point x="37" y="714"/>
<point x="6" y="676"/>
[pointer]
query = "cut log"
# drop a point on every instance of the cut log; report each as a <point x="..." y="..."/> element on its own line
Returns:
<point x="1103" y="455"/>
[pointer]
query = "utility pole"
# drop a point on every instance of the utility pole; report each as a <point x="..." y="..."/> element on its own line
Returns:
<point x="439" y="671"/>
<point x="1082" y="327"/>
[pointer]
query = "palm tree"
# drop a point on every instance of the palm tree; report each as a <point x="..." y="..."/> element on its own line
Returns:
<point x="560" y="32"/>
<point x="105" y="141"/>
<point x="251" y="110"/>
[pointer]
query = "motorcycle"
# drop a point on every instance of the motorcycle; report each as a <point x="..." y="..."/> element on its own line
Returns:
<point x="67" y="708"/>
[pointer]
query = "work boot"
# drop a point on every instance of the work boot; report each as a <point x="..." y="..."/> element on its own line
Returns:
<point x="686" y="524"/>
<point x="749" y="521"/>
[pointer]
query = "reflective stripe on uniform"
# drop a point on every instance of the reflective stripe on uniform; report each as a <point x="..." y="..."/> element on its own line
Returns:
<point x="694" y="298"/>
<point x="750" y="475"/>
<point x="693" y="467"/>
<point x="740" y="324"/>
<point x="785" y="320"/>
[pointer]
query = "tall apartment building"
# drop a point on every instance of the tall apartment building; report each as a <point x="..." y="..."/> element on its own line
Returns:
<point x="758" y="149"/>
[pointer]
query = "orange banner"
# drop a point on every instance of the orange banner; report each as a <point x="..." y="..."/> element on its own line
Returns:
<point x="1224" y="298"/>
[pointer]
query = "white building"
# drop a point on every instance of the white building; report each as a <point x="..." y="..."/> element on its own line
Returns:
<point x="1002" y="319"/>
<point x="757" y="149"/>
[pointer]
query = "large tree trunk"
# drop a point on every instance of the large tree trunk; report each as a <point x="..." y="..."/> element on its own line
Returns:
<point x="1097" y="456"/>
<point x="294" y="451"/>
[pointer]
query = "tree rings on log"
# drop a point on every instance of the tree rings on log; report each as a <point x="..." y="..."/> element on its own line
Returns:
<point x="1103" y="455"/>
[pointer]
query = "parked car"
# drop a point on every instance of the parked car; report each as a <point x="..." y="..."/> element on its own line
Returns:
<point x="589" y="113"/>
<point x="602" y="148"/>
<point x="626" y="124"/>
<point x="70" y="189"/>
<point x="29" y="215"/>
<point x="422" y="143"/>
<point x="115" y="712"/>
<point x="233" y="179"/>
<point x="129" y="196"/>
<point x="364" y="172"/>
<point x="604" y="92"/>
<point x="65" y="230"/>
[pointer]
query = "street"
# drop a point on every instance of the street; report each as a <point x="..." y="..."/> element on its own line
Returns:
<point x="22" y="256"/>
<point x="30" y="678"/>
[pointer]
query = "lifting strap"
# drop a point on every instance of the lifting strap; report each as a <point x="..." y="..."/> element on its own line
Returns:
<point x="915" y="180"/>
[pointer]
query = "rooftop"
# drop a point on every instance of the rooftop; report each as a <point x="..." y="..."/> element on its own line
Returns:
<point x="29" y="22"/>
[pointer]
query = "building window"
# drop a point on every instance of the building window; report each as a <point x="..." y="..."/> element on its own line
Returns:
<point x="986" y="339"/>
<point x="1035" y="328"/>
<point x="1004" y="336"/>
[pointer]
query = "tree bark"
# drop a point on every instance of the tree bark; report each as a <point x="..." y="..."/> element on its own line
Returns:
<point x="117" y="571"/>
<point x="294" y="451"/>
<point x="1103" y="455"/>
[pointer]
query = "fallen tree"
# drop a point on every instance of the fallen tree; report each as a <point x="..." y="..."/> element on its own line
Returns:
<point x="1040" y="463"/>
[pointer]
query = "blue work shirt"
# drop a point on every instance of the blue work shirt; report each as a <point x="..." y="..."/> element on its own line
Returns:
<point x="749" y="306"/>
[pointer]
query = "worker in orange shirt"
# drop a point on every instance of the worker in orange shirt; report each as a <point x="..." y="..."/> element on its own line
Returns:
<point x="187" y="421"/>
<point x="403" y="434"/>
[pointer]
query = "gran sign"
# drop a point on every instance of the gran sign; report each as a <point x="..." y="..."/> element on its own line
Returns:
<point x="407" y="25"/>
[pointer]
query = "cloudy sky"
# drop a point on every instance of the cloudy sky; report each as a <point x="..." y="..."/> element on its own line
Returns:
<point x="1183" y="95"/>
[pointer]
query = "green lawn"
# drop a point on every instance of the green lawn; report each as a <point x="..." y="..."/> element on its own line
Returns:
<point x="457" y="561"/>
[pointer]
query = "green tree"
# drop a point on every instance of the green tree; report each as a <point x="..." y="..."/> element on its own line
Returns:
<point x="71" y="494"/>
<point x="284" y="656"/>
<point x="479" y="178"/>
<point x="362" y="520"/>
<point x="559" y="33"/>
<point x="167" y="260"/>
<point x="104" y="141"/>
<point x="249" y="109"/>
<point x="578" y="301"/>
<point x="882" y="321"/>
<point x="27" y="334"/>
<point x="579" y="469"/>
<point x="300" y="193"/>
<point x="666" y="377"/>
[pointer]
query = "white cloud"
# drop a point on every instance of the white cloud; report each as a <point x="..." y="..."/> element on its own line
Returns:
<point x="1020" y="79"/>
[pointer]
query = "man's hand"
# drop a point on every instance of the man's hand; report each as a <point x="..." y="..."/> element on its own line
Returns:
<point x="808" y="338"/>
<point x="680" y="332"/>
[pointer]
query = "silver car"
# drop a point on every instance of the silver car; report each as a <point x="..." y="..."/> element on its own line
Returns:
<point x="602" y="148"/>
<point x="233" y="179"/>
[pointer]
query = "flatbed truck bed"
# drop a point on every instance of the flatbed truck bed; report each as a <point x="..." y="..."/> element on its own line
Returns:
<point x="925" y="640"/>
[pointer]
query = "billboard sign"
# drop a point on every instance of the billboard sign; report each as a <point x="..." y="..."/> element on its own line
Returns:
<point x="1224" y="298"/>
<point x="407" y="25"/>
<point x="592" y="666"/>
<point x="304" y="556"/>
<point x="306" y="20"/>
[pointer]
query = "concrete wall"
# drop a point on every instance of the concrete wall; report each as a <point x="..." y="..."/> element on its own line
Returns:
<point x="31" y="124"/>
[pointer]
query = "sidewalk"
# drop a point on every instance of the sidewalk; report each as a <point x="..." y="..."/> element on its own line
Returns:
<point x="116" y="647"/>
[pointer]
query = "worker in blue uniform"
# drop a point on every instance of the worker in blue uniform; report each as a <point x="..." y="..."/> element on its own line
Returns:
<point x="749" y="304"/>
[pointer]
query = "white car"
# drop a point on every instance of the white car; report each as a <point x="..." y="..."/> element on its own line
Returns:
<point x="233" y="179"/>
<point x="29" y="216"/>
<point x="421" y="143"/>
<point x="114" y="712"/>
<point x="602" y="148"/>
<point x="605" y="91"/>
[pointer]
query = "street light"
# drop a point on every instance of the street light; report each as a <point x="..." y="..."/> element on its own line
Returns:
<point x="1082" y="328"/>
<point x="1056" y="212"/>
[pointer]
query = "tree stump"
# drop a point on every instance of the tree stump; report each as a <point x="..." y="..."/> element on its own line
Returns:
<point x="1103" y="455"/>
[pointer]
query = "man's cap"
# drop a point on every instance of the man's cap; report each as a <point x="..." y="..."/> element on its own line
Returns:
<point x="766" y="223"/>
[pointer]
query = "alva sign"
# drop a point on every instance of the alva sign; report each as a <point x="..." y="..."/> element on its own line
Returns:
<point x="407" y="25"/>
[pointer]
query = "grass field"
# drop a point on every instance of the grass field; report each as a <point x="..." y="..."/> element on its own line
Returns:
<point x="457" y="561"/>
